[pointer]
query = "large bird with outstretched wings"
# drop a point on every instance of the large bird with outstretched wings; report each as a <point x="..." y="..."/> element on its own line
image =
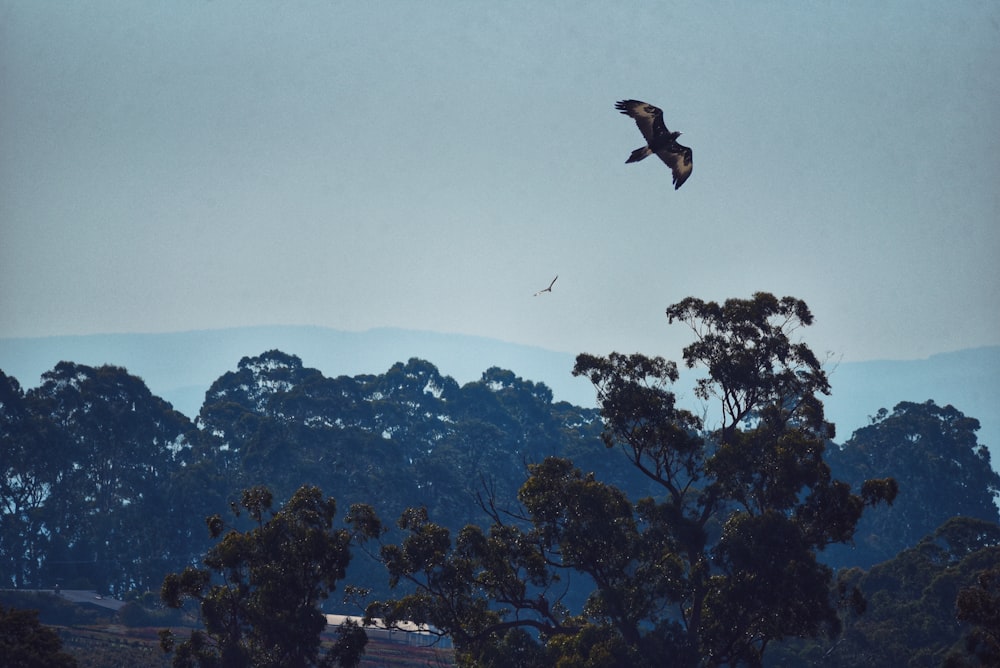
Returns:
<point x="659" y="139"/>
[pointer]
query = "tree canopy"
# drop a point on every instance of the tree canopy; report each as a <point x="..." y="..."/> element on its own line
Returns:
<point x="719" y="562"/>
<point x="88" y="456"/>
<point x="916" y="604"/>
<point x="91" y="455"/>
<point x="260" y="590"/>
<point x="639" y="530"/>
<point x="943" y="470"/>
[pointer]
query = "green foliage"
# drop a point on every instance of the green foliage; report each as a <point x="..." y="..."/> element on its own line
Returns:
<point x="719" y="563"/>
<point x="941" y="470"/>
<point x="71" y="515"/>
<point x="912" y="601"/>
<point x="87" y="457"/>
<point x="425" y="559"/>
<point x="979" y="605"/>
<point x="753" y="365"/>
<point x="25" y="643"/>
<point x="589" y="561"/>
<point x="263" y="609"/>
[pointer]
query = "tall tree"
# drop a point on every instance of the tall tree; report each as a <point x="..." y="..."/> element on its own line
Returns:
<point x="260" y="590"/>
<point x="91" y="448"/>
<point x="941" y="468"/>
<point x="714" y="566"/>
<point x="31" y="456"/>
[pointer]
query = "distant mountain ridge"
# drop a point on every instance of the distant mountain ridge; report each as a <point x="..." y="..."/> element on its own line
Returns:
<point x="180" y="367"/>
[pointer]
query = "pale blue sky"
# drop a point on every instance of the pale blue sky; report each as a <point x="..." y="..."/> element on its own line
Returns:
<point x="185" y="164"/>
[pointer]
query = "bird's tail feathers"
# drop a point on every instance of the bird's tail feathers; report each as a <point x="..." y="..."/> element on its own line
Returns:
<point x="638" y="154"/>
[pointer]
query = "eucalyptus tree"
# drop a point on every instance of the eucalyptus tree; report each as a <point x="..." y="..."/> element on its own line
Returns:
<point x="709" y="569"/>
<point x="86" y="456"/>
<point x="259" y="591"/>
<point x="942" y="469"/>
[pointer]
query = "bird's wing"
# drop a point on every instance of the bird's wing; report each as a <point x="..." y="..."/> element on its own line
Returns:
<point x="647" y="117"/>
<point x="679" y="160"/>
<point x="548" y="289"/>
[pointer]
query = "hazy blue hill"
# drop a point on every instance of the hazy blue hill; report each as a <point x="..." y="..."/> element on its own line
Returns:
<point x="967" y="379"/>
<point x="181" y="366"/>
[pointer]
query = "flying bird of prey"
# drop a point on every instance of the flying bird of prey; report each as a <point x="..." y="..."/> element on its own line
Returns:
<point x="548" y="289"/>
<point x="659" y="139"/>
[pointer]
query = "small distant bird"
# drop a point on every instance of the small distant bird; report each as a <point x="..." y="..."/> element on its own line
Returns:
<point x="548" y="289"/>
<point x="659" y="139"/>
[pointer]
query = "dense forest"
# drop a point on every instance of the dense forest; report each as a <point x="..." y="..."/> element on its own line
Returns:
<point x="105" y="486"/>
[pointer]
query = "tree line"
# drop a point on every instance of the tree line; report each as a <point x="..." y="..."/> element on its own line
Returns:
<point x="532" y="532"/>
<point x="105" y="486"/>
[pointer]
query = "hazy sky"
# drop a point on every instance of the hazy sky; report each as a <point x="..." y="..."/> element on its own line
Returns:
<point x="188" y="164"/>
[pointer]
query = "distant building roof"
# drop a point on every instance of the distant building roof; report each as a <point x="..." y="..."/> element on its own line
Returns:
<point x="86" y="596"/>
<point x="409" y="632"/>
